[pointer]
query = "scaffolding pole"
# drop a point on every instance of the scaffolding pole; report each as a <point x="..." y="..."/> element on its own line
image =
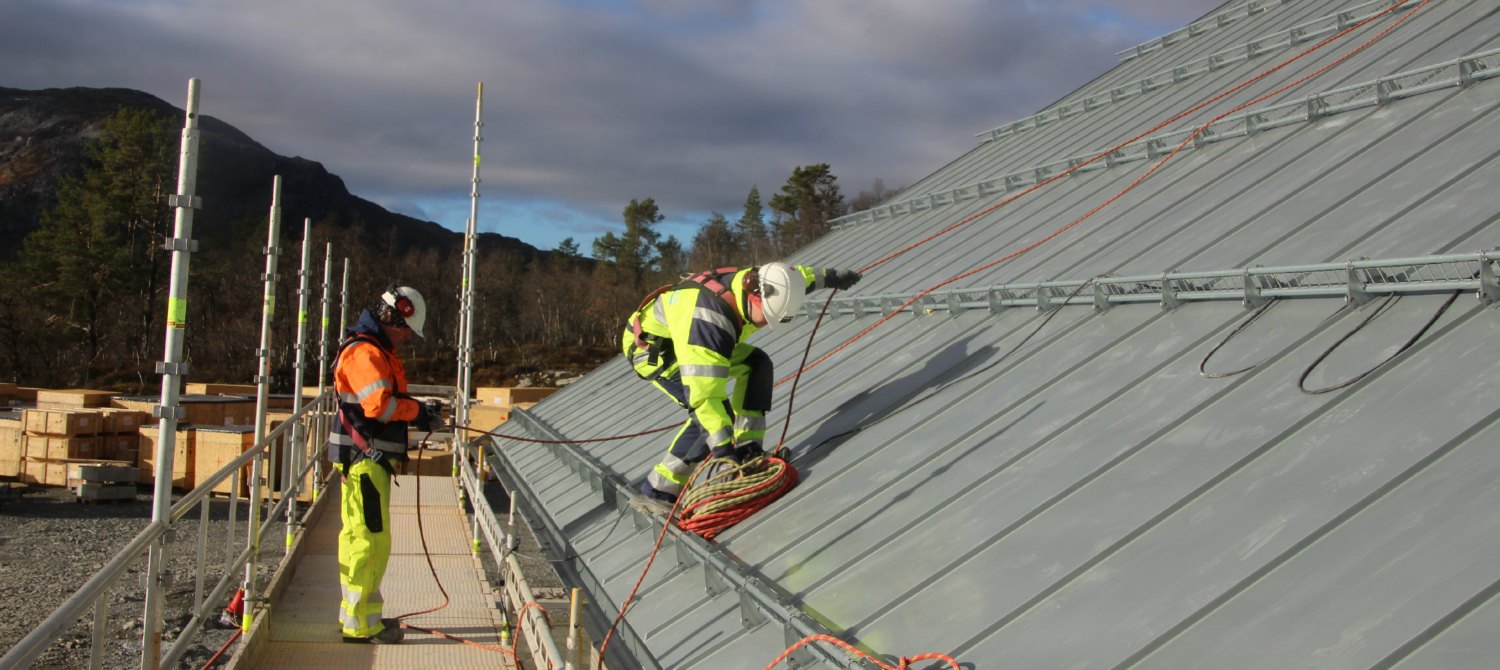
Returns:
<point x="173" y="370"/>
<point x="323" y="411"/>
<point x="466" y="335"/>
<point x="262" y="400"/>
<point x="290" y="485"/>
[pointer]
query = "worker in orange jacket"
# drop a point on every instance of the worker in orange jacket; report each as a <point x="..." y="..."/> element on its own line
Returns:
<point x="374" y="412"/>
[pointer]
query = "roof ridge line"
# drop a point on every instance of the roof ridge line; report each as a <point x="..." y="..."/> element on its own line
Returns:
<point x="1462" y="72"/>
<point x="1285" y="39"/>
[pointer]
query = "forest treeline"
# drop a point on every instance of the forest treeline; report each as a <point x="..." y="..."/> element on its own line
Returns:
<point x="85" y="297"/>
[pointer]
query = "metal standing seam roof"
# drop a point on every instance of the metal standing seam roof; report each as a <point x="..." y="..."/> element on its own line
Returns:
<point x="1087" y="497"/>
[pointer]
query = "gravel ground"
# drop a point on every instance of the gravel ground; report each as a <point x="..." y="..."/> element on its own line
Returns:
<point x="50" y="545"/>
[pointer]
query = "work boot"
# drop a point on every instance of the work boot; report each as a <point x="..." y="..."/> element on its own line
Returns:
<point x="748" y="452"/>
<point x="391" y="634"/>
<point x="652" y="502"/>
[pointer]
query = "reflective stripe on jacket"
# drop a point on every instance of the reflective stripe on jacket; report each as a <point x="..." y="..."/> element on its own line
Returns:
<point x="702" y="329"/>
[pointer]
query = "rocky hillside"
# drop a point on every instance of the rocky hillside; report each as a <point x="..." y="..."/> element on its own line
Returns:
<point x="42" y="138"/>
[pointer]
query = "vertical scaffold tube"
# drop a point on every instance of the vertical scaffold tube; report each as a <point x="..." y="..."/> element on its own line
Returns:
<point x="292" y="485"/>
<point x="466" y="351"/>
<point x="324" y="411"/>
<point x="172" y="370"/>
<point x="262" y="400"/>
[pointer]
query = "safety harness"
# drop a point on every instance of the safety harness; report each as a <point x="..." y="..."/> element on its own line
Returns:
<point x="360" y="442"/>
<point x="708" y="279"/>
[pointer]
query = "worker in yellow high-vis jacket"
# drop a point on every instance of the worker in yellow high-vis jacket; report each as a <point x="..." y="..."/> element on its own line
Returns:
<point x="689" y="342"/>
<point x="369" y="433"/>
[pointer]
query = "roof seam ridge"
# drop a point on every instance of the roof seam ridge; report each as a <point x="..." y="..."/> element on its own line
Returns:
<point x="1461" y="72"/>
<point x="1285" y="39"/>
<point x="1322" y="530"/>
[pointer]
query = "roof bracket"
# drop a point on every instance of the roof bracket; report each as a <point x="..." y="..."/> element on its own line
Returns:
<point x="750" y="613"/>
<point x="640" y="520"/>
<point x="893" y="305"/>
<point x="1356" y="295"/>
<point x="996" y="304"/>
<point x="713" y="581"/>
<point x="1253" y="298"/>
<point x="857" y="308"/>
<point x="1169" y="299"/>
<point x="1043" y="299"/>
<point x="955" y="304"/>
<point x="685" y="557"/>
<point x="1101" y="298"/>
<point x="1466" y="71"/>
<point x="802" y="657"/>
<point x="1489" y="287"/>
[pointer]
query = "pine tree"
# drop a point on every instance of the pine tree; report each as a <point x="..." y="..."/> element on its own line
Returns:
<point x="807" y="202"/>
<point x="717" y="244"/>
<point x="95" y="265"/>
<point x="633" y="252"/>
<point x="752" y="232"/>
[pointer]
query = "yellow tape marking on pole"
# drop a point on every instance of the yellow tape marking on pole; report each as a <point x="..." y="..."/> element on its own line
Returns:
<point x="176" y="312"/>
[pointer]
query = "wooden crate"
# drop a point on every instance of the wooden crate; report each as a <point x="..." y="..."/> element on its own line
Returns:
<point x="48" y="457"/>
<point x="12" y="447"/>
<point x="58" y="448"/>
<point x="219" y="445"/>
<point x="207" y="410"/>
<point x="184" y="444"/>
<point x="116" y="447"/>
<point x="75" y="398"/>
<point x="483" y="417"/>
<point x="63" y="422"/>
<point x="119" y="421"/>
<point x="509" y="396"/>
<point x="203" y="388"/>
<point x="238" y="411"/>
<point x="430" y="463"/>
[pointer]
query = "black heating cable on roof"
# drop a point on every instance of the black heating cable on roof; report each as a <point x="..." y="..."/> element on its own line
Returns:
<point x="1375" y="313"/>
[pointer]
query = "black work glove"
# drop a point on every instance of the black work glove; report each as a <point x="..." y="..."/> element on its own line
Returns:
<point x="423" y="422"/>
<point x="842" y="279"/>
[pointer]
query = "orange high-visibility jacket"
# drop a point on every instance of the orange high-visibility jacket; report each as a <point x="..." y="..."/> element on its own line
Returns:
<point x="370" y="383"/>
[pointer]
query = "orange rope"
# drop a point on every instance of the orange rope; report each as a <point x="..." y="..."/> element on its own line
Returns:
<point x="904" y="663"/>
<point x="649" y="560"/>
<point x="455" y="638"/>
<point x="758" y="497"/>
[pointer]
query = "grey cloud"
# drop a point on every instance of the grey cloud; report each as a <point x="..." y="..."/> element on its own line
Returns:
<point x="589" y="104"/>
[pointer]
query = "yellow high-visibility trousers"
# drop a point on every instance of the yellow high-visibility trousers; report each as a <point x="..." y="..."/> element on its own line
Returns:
<point x="364" y="547"/>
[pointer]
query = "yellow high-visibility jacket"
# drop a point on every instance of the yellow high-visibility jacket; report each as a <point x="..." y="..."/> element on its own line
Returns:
<point x="695" y="330"/>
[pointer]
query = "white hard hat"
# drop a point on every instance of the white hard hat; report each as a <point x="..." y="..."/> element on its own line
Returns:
<point x="781" y="292"/>
<point x="409" y="304"/>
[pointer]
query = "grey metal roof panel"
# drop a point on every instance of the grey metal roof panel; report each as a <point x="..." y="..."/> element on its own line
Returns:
<point x="1091" y="500"/>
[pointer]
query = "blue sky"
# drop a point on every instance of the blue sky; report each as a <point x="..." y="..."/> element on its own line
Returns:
<point x="590" y="103"/>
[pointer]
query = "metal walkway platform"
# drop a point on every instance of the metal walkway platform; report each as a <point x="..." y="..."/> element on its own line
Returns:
<point x="303" y="628"/>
